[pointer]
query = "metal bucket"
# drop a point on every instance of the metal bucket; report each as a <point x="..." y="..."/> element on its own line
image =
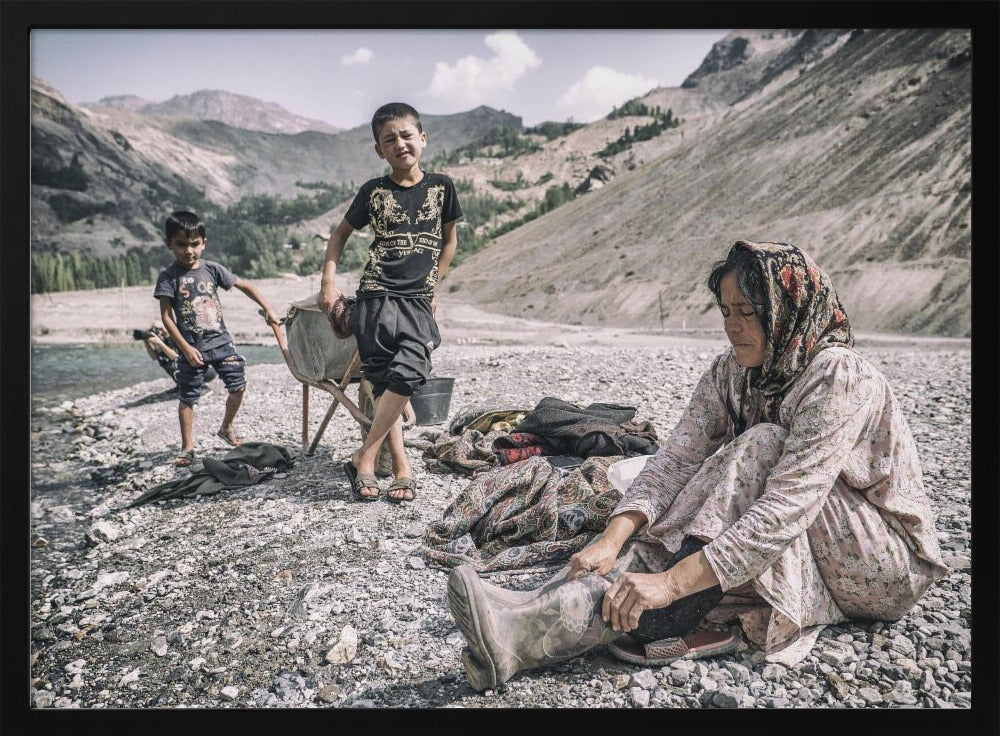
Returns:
<point x="432" y="400"/>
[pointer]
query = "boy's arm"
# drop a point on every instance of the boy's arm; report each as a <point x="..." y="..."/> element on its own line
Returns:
<point x="251" y="291"/>
<point x="449" y="244"/>
<point x="328" y="291"/>
<point x="167" y="316"/>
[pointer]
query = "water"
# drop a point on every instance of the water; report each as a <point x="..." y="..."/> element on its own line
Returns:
<point x="61" y="372"/>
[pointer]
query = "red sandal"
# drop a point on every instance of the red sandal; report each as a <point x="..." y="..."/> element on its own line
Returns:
<point x="696" y="645"/>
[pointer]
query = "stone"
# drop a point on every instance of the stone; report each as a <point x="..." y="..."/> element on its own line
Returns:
<point x="725" y="698"/>
<point x="416" y="563"/>
<point x="329" y="693"/>
<point x="159" y="646"/>
<point x="644" y="679"/>
<point x="44" y="698"/>
<point x="773" y="672"/>
<point x="740" y="673"/>
<point x="346" y="648"/>
<point x="230" y="692"/>
<point x="640" y="697"/>
<point x="838" y="685"/>
<point x="414" y="530"/>
<point x="707" y="683"/>
<point x="870" y="695"/>
<point x="132" y="676"/>
<point x="103" y="531"/>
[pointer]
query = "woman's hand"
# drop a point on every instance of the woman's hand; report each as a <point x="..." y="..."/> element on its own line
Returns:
<point x="632" y="594"/>
<point x="328" y="294"/>
<point x="598" y="557"/>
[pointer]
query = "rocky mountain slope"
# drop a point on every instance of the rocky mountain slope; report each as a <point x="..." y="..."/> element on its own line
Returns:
<point x="90" y="186"/>
<point x="239" y="111"/>
<point x="854" y="145"/>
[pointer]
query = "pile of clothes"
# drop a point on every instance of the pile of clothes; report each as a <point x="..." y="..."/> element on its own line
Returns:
<point x="525" y="507"/>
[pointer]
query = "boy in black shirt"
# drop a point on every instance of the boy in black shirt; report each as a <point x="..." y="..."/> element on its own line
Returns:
<point x="413" y="217"/>
<point x="191" y="312"/>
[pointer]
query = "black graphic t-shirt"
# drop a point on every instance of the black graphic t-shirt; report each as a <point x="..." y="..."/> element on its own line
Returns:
<point x="197" y="310"/>
<point x="406" y="222"/>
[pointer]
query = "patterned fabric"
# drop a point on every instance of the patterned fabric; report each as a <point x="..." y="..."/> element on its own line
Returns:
<point x="524" y="515"/>
<point x="469" y="453"/>
<point x="517" y="446"/>
<point x="824" y="511"/>
<point x="802" y="317"/>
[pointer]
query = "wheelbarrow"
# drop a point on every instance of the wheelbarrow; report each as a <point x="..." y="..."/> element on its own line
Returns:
<point x="318" y="359"/>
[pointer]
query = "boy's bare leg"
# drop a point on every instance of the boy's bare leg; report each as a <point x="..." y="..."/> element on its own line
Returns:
<point x="186" y="414"/>
<point x="232" y="406"/>
<point x="400" y="463"/>
<point x="388" y="408"/>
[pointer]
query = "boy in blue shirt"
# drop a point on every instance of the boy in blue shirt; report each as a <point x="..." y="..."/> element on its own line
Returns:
<point x="412" y="215"/>
<point x="192" y="315"/>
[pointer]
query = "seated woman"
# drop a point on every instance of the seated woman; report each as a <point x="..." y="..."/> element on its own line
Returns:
<point x="791" y="478"/>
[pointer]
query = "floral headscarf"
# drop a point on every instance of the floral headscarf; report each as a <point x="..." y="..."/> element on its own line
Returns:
<point x="802" y="316"/>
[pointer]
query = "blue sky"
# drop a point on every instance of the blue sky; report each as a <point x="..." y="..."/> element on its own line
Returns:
<point x="341" y="76"/>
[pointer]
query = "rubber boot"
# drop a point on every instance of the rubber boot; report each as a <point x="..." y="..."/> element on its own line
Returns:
<point x="517" y="597"/>
<point x="556" y="622"/>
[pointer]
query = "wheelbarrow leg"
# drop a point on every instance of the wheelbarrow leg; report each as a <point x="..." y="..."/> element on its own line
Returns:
<point x="333" y="404"/>
<point x="305" y="415"/>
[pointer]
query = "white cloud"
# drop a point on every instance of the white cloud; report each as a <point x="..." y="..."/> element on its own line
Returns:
<point x="474" y="80"/>
<point x="361" y="56"/>
<point x="600" y="89"/>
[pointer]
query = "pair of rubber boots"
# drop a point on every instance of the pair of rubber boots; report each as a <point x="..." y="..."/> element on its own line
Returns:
<point x="509" y="631"/>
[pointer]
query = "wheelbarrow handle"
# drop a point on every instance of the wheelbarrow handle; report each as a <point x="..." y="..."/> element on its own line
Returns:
<point x="278" y="334"/>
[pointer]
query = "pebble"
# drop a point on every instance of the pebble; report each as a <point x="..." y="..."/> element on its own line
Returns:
<point x="644" y="679"/>
<point x="346" y="648"/>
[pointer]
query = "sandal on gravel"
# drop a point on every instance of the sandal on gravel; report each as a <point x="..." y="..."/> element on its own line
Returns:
<point x="696" y="645"/>
<point x="360" y="481"/>
<point x="230" y="437"/>
<point x="184" y="459"/>
<point x="408" y="484"/>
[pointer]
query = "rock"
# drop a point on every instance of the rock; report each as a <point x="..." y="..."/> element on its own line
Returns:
<point x="773" y="672"/>
<point x="230" y="692"/>
<point x="644" y="679"/>
<point x="870" y="695"/>
<point x="132" y="676"/>
<point x="329" y="693"/>
<point x="40" y="542"/>
<point x="346" y="648"/>
<point x="707" y="683"/>
<point x="640" y="697"/>
<point x="103" y="531"/>
<point x="740" y="673"/>
<point x="44" y="698"/>
<point x="837" y="658"/>
<point x="622" y="681"/>
<point x="159" y="646"/>
<point x="725" y="698"/>
<point x="414" y="530"/>
<point x="416" y="563"/>
<point x="838" y="685"/>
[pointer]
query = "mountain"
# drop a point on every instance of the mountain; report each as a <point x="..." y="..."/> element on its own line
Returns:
<point x="91" y="190"/>
<point x="238" y="111"/>
<point x="854" y="145"/>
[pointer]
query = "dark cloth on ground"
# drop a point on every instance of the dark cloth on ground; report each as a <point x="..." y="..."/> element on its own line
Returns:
<point x="524" y="515"/>
<point x="469" y="453"/>
<point x="598" y="429"/>
<point x="245" y="465"/>
<point x="518" y="446"/>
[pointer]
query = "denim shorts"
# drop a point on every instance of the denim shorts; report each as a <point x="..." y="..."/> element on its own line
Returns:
<point x="190" y="379"/>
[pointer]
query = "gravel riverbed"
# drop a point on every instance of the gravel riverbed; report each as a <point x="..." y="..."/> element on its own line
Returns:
<point x="289" y="594"/>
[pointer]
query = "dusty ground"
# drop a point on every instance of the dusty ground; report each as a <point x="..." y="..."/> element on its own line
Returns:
<point x="240" y="600"/>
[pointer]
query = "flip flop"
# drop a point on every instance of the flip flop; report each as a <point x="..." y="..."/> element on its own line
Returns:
<point x="230" y="437"/>
<point x="360" y="481"/>
<point x="696" y="645"/>
<point x="402" y="483"/>
<point x="184" y="459"/>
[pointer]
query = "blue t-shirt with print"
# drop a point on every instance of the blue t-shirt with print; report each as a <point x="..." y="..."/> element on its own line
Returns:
<point x="194" y="295"/>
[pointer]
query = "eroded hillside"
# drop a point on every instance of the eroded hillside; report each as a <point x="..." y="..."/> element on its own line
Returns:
<point x="857" y="148"/>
